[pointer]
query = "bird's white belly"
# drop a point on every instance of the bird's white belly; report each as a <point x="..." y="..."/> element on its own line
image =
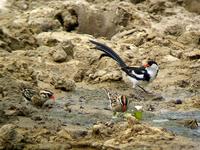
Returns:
<point x="132" y="81"/>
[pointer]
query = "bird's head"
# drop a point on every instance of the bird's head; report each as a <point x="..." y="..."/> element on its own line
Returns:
<point x="124" y="102"/>
<point x="47" y="94"/>
<point x="151" y="65"/>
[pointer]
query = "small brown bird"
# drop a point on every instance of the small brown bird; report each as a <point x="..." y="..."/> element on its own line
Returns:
<point x="118" y="102"/>
<point x="37" y="97"/>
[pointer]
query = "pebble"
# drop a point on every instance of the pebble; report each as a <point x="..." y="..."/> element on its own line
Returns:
<point x="178" y="101"/>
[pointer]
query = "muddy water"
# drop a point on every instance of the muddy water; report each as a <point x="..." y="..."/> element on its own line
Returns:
<point x="85" y="107"/>
<point x="82" y="107"/>
<point x="171" y="121"/>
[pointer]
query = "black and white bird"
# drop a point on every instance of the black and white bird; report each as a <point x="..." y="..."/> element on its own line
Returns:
<point x="118" y="102"/>
<point x="35" y="96"/>
<point x="136" y="75"/>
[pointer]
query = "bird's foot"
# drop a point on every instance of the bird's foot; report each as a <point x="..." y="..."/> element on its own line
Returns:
<point x="142" y="89"/>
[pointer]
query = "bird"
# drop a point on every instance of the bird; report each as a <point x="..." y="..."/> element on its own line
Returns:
<point x="118" y="102"/>
<point x="35" y="96"/>
<point x="137" y="75"/>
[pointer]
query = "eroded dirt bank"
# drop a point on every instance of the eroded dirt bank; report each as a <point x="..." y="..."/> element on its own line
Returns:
<point x="46" y="45"/>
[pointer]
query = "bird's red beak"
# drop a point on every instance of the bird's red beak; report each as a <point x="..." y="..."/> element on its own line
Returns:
<point x="53" y="97"/>
<point x="146" y="65"/>
<point x="124" y="108"/>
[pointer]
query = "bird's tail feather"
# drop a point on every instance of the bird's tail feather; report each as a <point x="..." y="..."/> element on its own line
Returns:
<point x="110" y="53"/>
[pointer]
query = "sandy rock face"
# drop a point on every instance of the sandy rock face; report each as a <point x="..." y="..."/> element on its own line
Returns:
<point x="192" y="5"/>
<point x="8" y="133"/>
<point x="45" y="44"/>
<point x="41" y="20"/>
<point x="63" y="84"/>
<point x="11" y="43"/>
<point x="103" y="21"/>
<point x="59" y="55"/>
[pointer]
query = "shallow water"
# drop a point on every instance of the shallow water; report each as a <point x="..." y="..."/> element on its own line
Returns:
<point x="169" y="120"/>
<point x="86" y="106"/>
<point x="90" y="106"/>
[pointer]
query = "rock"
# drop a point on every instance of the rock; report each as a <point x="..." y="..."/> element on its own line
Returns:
<point x="132" y="120"/>
<point x="176" y="53"/>
<point x="78" y="77"/>
<point x="2" y="95"/>
<point x="10" y="88"/>
<point x="4" y="117"/>
<point x="8" y="133"/>
<point x="170" y="58"/>
<point x="175" y="30"/>
<point x="7" y="39"/>
<point x="68" y="109"/>
<point x="21" y="38"/>
<point x="63" y="133"/>
<point x="63" y="84"/>
<point x="192" y="5"/>
<point x="104" y="75"/>
<point x="59" y="55"/>
<point x="136" y="1"/>
<point x="192" y="55"/>
<point x="157" y="6"/>
<point x="77" y="133"/>
<point x="63" y="51"/>
<point x="178" y="101"/>
<point x="100" y="18"/>
<point x="42" y="19"/>
<point x="68" y="18"/>
<point x="97" y="128"/>
<point x="17" y="111"/>
<point x="49" y="146"/>
<point x="100" y="131"/>
<point x="36" y="118"/>
<point x="189" y="38"/>
<point x="68" y="47"/>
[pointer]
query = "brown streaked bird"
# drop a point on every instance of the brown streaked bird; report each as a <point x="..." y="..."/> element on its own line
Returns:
<point x="37" y="97"/>
<point x="118" y="102"/>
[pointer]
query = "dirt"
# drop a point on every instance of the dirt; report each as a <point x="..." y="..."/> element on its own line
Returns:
<point x="45" y="44"/>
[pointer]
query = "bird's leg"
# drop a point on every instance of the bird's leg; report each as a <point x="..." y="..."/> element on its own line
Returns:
<point x="115" y="114"/>
<point x="153" y="95"/>
<point x="143" y="89"/>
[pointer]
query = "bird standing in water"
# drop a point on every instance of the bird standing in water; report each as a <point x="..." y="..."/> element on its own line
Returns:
<point x="35" y="96"/>
<point x="118" y="102"/>
<point x="137" y="75"/>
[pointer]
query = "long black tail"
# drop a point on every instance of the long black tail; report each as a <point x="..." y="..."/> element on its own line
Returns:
<point x="110" y="53"/>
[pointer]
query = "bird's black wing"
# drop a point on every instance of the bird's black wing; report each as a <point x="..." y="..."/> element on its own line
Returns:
<point x="139" y="73"/>
<point x="129" y="70"/>
<point x="138" y="70"/>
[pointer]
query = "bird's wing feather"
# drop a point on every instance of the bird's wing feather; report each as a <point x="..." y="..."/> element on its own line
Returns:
<point x="139" y="73"/>
<point x="109" y="52"/>
<point x="28" y="93"/>
<point x="138" y="70"/>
